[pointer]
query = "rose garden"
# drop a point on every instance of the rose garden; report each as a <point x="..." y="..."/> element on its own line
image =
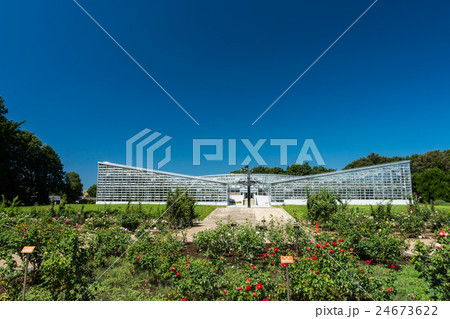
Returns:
<point x="382" y="252"/>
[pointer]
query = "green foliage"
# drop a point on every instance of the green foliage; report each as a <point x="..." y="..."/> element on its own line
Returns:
<point x="59" y="263"/>
<point x="92" y="191"/>
<point x="408" y="284"/>
<point x="440" y="202"/>
<point x="108" y="242"/>
<point x="284" y="236"/>
<point x="439" y="219"/>
<point x="371" y="239"/>
<point x="73" y="187"/>
<point x="296" y="169"/>
<point x="382" y="213"/>
<point x="197" y="280"/>
<point x="374" y="159"/>
<point x="321" y="206"/>
<point x="244" y="241"/>
<point x="156" y="254"/>
<point x="432" y="263"/>
<point x="433" y="184"/>
<point x="180" y="208"/>
<point x="73" y="240"/>
<point x="431" y="159"/>
<point x="413" y="222"/>
<point x="65" y="271"/>
<point x="28" y="168"/>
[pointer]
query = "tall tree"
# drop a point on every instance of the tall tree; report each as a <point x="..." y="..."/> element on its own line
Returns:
<point x="28" y="169"/>
<point x="92" y="191"/>
<point x="73" y="187"/>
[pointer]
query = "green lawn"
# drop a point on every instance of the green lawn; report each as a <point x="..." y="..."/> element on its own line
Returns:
<point x="300" y="211"/>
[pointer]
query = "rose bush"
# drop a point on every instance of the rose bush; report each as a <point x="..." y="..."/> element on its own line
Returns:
<point x="432" y="263"/>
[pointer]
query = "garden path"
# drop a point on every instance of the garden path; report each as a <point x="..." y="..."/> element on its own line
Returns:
<point x="240" y="215"/>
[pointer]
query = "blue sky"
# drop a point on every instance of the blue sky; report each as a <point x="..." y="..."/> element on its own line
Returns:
<point x="384" y="87"/>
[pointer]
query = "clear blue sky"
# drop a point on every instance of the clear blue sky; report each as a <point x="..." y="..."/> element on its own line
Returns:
<point x="384" y="87"/>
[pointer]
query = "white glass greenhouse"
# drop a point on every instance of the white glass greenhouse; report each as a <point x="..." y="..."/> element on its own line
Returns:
<point x="368" y="185"/>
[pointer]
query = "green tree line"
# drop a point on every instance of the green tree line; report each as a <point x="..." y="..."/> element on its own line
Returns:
<point x="296" y="169"/>
<point x="29" y="169"/>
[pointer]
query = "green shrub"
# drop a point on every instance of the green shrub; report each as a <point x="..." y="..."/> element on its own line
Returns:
<point x="321" y="206"/>
<point x="381" y="212"/>
<point x="65" y="271"/>
<point x="243" y="241"/>
<point x="433" y="265"/>
<point x="440" y="202"/>
<point x="371" y="239"/>
<point x="108" y="242"/>
<point x="217" y="242"/>
<point x="156" y="254"/>
<point x="284" y="236"/>
<point x="180" y="208"/>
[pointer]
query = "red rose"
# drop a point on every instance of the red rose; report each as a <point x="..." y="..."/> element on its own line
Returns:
<point x="342" y="250"/>
<point x="254" y="294"/>
<point x="341" y="240"/>
<point x="296" y="259"/>
<point x="259" y="286"/>
<point x="177" y="274"/>
<point x="173" y="269"/>
<point x="331" y="251"/>
<point x="284" y="265"/>
<point x="314" y="258"/>
<point x="271" y="263"/>
<point x="318" y="245"/>
<point x="368" y="261"/>
<point x="265" y="255"/>
<point x="240" y="288"/>
<point x="275" y="249"/>
<point x="316" y="272"/>
<point x="184" y="299"/>
<point x="248" y="288"/>
<point x="248" y="279"/>
<point x="393" y="267"/>
<point x="216" y="272"/>
<point x="25" y="236"/>
<point x="389" y="289"/>
<point x="334" y="244"/>
<point x="265" y="299"/>
<point x="273" y="254"/>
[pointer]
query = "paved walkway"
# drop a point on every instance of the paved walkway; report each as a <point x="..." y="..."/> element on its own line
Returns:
<point x="240" y="215"/>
